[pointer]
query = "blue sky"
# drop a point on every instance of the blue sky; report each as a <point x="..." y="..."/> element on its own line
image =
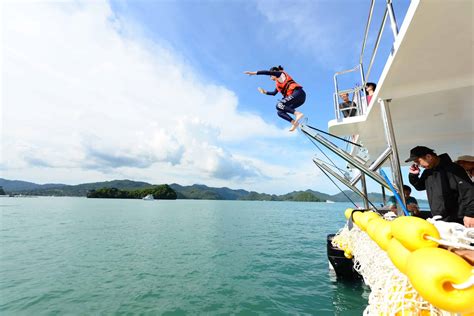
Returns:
<point x="154" y="90"/>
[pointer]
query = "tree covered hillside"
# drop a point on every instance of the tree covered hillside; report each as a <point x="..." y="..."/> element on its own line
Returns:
<point x="162" y="192"/>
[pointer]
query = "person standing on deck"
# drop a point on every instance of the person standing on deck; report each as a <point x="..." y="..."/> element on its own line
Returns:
<point x="450" y="191"/>
<point x="467" y="162"/>
<point x="293" y="94"/>
<point x="347" y="107"/>
<point x="369" y="91"/>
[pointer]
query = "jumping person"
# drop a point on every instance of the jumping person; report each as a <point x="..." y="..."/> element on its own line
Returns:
<point x="293" y="94"/>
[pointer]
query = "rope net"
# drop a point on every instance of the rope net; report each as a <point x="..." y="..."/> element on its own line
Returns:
<point x="391" y="291"/>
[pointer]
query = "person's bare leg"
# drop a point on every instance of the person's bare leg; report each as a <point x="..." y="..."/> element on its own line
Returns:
<point x="294" y="125"/>
<point x="298" y="116"/>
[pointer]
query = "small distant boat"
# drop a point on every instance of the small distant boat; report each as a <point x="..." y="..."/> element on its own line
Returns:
<point x="329" y="201"/>
<point x="149" y="197"/>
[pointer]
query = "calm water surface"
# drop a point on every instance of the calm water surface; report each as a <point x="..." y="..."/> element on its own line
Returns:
<point x="89" y="256"/>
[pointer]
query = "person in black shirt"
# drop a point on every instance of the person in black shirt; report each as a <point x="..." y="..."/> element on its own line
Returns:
<point x="347" y="107"/>
<point x="450" y="191"/>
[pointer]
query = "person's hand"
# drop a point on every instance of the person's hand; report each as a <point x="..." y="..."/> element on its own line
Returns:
<point x="468" y="221"/>
<point x="413" y="208"/>
<point x="262" y="91"/>
<point x="250" y="73"/>
<point x="414" y="169"/>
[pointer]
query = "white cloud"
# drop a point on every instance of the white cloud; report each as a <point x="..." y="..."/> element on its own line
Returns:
<point x="82" y="92"/>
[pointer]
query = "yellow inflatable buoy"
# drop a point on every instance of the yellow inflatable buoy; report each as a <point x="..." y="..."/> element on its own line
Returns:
<point x="433" y="271"/>
<point x="348" y="213"/>
<point x="357" y="216"/>
<point x="372" y="226"/>
<point x="366" y="218"/>
<point x="348" y="254"/>
<point x="413" y="312"/>
<point x="383" y="234"/>
<point x="398" y="254"/>
<point x="410" y="231"/>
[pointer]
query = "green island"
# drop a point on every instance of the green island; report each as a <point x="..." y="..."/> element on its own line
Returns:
<point x="128" y="189"/>
<point x="162" y="192"/>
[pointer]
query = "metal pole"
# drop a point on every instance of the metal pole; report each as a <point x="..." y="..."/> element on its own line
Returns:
<point x="344" y="155"/>
<point x="384" y="197"/>
<point x="393" y="22"/>
<point x="390" y="137"/>
<point x="367" y="27"/>
<point x="323" y="165"/>
<point x="362" y="107"/>
<point x="375" y="165"/>
<point x="364" y="190"/>
<point x="377" y="42"/>
<point x="336" y="105"/>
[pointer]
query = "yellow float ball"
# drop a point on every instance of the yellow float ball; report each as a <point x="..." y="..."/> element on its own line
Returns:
<point x="366" y="218"/>
<point x="432" y="271"/>
<point x="357" y="216"/>
<point x="410" y="231"/>
<point x="372" y="225"/>
<point x="348" y="254"/>
<point x="398" y="254"/>
<point x="383" y="234"/>
<point x="348" y="213"/>
<point x="414" y="311"/>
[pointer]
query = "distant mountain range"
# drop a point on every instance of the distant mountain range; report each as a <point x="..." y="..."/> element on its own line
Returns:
<point x="196" y="191"/>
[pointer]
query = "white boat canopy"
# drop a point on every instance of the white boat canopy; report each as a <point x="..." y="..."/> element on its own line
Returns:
<point x="429" y="79"/>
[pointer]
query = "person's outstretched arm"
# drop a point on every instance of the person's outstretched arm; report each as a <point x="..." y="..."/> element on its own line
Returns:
<point x="264" y="72"/>
<point x="263" y="91"/>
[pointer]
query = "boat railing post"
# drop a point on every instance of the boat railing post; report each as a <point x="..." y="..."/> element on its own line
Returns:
<point x="344" y="155"/>
<point x="377" y="42"/>
<point x="364" y="190"/>
<point x="363" y="107"/>
<point x="322" y="164"/>
<point x="359" y="102"/>
<point x="375" y="165"/>
<point x="366" y="33"/>
<point x="336" y="108"/>
<point x="384" y="197"/>
<point x="392" y="144"/>
<point x="393" y="22"/>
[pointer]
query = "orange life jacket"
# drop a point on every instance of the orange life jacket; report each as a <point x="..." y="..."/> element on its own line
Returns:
<point x="288" y="86"/>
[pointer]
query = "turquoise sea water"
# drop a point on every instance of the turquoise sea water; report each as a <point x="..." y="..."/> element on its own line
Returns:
<point x="97" y="256"/>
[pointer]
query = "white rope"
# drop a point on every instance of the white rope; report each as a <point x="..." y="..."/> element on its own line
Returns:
<point x="465" y="285"/>
<point x="452" y="234"/>
<point x="448" y="243"/>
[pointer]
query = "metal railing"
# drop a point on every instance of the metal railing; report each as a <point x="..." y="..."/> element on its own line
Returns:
<point x="389" y="154"/>
<point x="360" y="105"/>
<point x="359" y="91"/>
<point x="358" y="94"/>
